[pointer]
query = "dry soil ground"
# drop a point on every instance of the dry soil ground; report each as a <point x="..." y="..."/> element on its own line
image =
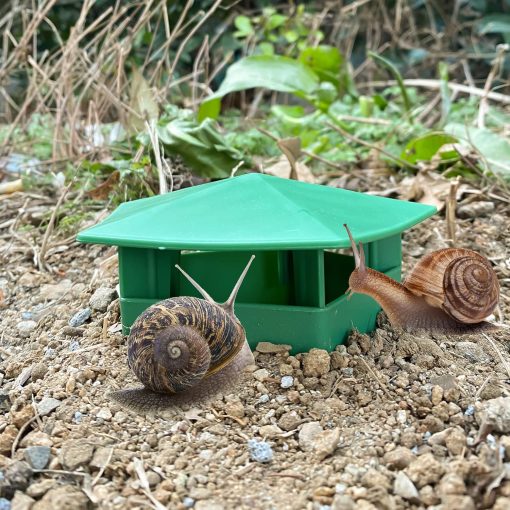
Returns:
<point x="391" y="420"/>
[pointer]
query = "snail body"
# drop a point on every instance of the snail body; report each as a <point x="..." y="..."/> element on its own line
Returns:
<point x="186" y="348"/>
<point x="452" y="289"/>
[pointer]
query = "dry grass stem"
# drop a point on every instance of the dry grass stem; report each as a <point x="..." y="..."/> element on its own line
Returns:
<point x="484" y="105"/>
<point x="436" y="85"/>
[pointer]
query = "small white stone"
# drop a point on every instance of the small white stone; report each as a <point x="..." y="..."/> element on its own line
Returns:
<point x="261" y="374"/>
<point x="105" y="414"/>
<point x="26" y="327"/>
<point x="401" y="416"/>
<point x="287" y="381"/>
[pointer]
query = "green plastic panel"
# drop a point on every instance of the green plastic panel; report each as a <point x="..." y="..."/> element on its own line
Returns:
<point x="255" y="212"/>
<point x="301" y="327"/>
<point x="295" y="297"/>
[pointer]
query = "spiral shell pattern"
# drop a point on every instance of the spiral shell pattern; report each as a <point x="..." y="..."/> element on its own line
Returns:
<point x="177" y="342"/>
<point x="460" y="281"/>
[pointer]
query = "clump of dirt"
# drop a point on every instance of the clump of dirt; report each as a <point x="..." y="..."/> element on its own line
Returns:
<point x="390" y="420"/>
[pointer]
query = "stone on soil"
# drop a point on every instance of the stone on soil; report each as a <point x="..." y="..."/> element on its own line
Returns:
<point x="316" y="363"/>
<point x="425" y="470"/>
<point x="75" y="453"/>
<point x="269" y="348"/>
<point x="260" y="451"/>
<point x="309" y="431"/>
<point x="404" y="488"/>
<point x="496" y="414"/>
<point x="80" y="317"/>
<point x="38" y="456"/>
<point x="101" y="298"/>
<point x="47" y="405"/>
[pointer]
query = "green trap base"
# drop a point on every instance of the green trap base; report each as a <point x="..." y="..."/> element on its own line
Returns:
<point x="271" y="305"/>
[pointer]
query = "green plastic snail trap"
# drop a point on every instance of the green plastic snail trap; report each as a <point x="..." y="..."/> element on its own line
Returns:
<point x="295" y="290"/>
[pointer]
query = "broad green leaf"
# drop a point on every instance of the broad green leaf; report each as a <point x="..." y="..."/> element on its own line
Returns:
<point x="326" y="61"/>
<point x="278" y="73"/>
<point x="492" y="146"/>
<point x="275" y="21"/>
<point x="494" y="24"/>
<point x="291" y="36"/>
<point x="201" y="146"/>
<point x="424" y="148"/>
<point x="265" y="48"/>
<point x="244" y="26"/>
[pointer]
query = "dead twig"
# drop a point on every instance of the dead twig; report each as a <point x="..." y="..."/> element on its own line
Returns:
<point x="496" y="65"/>
<point x="374" y="375"/>
<point x="498" y="352"/>
<point x="50" y="227"/>
<point x="436" y="85"/>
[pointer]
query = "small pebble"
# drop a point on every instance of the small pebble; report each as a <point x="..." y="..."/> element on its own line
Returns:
<point x="46" y="405"/>
<point x="49" y="352"/>
<point x="80" y="317"/>
<point x="188" y="502"/>
<point x="470" y="410"/>
<point x="261" y="375"/>
<point x="26" y="316"/>
<point x="101" y="298"/>
<point x="77" y="417"/>
<point x="38" y="456"/>
<point x="74" y="345"/>
<point x="260" y="451"/>
<point x="264" y="398"/>
<point x="287" y="381"/>
<point x="269" y="348"/>
<point x="104" y="414"/>
<point x="5" y="504"/>
<point x="26" y="327"/>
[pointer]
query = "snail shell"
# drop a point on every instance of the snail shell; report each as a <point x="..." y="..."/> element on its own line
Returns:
<point x="177" y="342"/>
<point x="460" y="281"/>
<point x="185" y="349"/>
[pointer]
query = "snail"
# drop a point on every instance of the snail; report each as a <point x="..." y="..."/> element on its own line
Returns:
<point x="185" y="349"/>
<point x="448" y="290"/>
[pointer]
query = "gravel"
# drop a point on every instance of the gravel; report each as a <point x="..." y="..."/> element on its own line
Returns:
<point x="389" y="420"/>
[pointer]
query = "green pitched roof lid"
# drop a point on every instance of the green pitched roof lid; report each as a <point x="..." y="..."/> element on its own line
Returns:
<point x="255" y="211"/>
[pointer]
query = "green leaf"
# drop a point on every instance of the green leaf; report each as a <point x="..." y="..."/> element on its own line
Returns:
<point x="265" y="48"/>
<point x="424" y="148"/>
<point x="493" y="147"/>
<point x="244" y="26"/>
<point x="494" y="24"/>
<point x="275" y="21"/>
<point x="325" y="60"/>
<point x="396" y="74"/>
<point x="201" y="146"/>
<point x="275" y="72"/>
<point x="291" y="36"/>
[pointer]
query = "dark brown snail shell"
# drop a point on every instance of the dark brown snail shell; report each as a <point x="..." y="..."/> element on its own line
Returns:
<point x="179" y="341"/>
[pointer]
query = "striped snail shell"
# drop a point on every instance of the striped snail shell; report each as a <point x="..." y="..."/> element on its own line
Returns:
<point x="448" y="290"/>
<point x="178" y="342"/>
<point x="460" y="281"/>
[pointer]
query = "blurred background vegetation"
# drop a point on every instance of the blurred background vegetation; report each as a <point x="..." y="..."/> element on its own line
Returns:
<point x="129" y="99"/>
